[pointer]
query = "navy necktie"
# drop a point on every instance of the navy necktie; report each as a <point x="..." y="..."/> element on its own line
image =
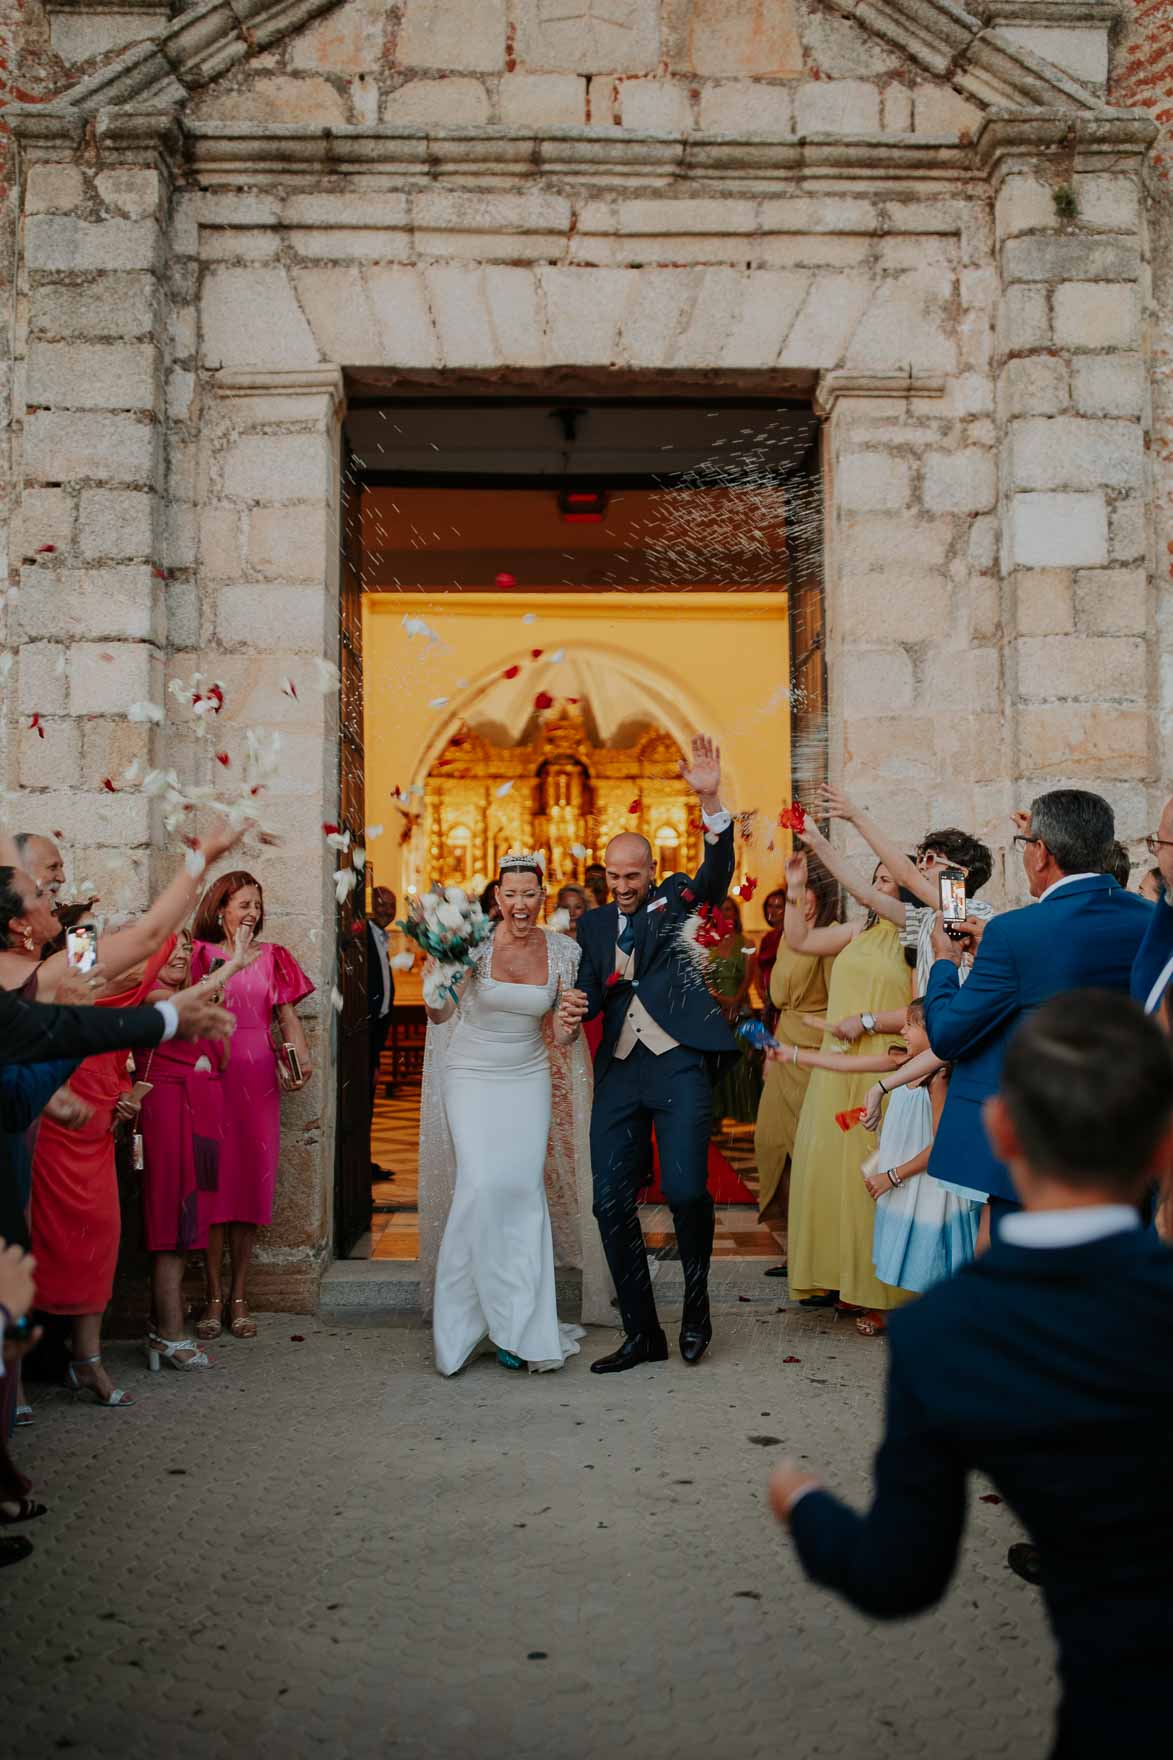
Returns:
<point x="627" y="933"/>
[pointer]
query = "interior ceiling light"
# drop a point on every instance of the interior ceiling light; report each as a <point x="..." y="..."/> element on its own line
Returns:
<point x="582" y="506"/>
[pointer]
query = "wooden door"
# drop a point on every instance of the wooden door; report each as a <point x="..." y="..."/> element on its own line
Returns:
<point x="808" y="654"/>
<point x="352" y="1141"/>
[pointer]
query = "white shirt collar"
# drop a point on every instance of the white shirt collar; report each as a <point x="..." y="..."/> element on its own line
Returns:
<point x="1066" y="1228"/>
<point x="1066" y="881"/>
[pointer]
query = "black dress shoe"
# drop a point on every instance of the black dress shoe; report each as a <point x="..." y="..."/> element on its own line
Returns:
<point x="1023" y="1559"/>
<point x="637" y="1348"/>
<point x="13" y="1548"/>
<point x="695" y="1339"/>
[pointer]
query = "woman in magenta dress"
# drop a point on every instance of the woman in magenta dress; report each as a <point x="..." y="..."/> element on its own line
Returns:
<point x="251" y="1085"/>
<point x="180" y="1123"/>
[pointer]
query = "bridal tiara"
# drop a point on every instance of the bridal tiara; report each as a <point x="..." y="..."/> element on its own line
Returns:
<point x="524" y="859"/>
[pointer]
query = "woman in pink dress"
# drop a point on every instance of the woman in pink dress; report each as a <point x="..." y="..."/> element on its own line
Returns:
<point x="269" y="989"/>
<point x="180" y="1124"/>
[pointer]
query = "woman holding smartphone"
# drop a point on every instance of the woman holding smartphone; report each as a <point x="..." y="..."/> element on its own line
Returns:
<point x="262" y="997"/>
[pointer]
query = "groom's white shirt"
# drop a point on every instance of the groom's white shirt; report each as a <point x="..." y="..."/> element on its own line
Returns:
<point x="638" y="1026"/>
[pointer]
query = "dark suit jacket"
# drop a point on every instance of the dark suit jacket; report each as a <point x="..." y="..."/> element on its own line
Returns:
<point x="25" y="1089"/>
<point x="375" y="978"/>
<point x="1153" y="954"/>
<point x="668" y="984"/>
<point x="38" y="1032"/>
<point x="1084" y="935"/>
<point x="1048" y="1370"/>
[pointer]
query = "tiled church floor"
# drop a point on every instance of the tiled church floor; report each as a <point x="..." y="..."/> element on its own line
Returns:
<point x="395" y="1223"/>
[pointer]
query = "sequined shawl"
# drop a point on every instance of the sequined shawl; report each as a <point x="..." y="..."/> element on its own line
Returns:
<point x="568" y="1155"/>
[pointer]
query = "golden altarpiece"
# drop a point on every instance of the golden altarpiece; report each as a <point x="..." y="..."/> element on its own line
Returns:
<point x="558" y="792"/>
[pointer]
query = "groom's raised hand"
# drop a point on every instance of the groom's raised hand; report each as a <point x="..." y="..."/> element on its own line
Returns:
<point x="702" y="772"/>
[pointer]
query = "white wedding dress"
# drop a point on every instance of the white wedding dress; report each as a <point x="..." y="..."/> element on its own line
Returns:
<point x="494" y="1276"/>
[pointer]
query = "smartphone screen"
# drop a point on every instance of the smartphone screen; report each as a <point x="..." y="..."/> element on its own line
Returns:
<point x="293" y="1060"/>
<point x="81" y="947"/>
<point x="953" y="904"/>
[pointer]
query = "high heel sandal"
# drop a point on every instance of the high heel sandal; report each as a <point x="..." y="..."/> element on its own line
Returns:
<point x="117" y="1398"/>
<point x="507" y="1360"/>
<point x="242" y="1325"/>
<point x="165" y="1350"/>
<point x="208" y="1329"/>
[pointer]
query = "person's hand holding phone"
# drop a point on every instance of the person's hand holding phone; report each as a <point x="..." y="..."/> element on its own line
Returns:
<point x="944" y="945"/>
<point x="78" y="989"/>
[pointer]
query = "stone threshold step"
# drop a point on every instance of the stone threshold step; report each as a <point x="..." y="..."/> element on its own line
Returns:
<point x="371" y="1285"/>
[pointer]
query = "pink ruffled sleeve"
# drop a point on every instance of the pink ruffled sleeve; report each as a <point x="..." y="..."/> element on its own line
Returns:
<point x="290" y="983"/>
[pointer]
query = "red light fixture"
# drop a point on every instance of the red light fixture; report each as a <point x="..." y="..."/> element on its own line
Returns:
<point x="582" y="507"/>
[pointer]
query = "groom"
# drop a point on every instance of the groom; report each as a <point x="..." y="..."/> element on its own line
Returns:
<point x="662" y="1033"/>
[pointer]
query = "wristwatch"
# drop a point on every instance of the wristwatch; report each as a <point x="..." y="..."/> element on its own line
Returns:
<point x="868" y="1022"/>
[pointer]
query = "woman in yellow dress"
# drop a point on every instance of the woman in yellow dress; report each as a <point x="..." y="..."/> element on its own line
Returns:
<point x="832" y="1215"/>
<point x="798" y="987"/>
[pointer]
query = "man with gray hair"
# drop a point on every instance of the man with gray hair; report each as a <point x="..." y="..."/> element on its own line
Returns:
<point x="1082" y="933"/>
<point x="40" y="857"/>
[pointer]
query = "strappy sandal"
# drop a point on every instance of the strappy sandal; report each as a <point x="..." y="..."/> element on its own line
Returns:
<point x="871" y="1325"/>
<point x="208" y="1327"/>
<point x="242" y="1325"/>
<point x="118" y="1397"/>
<point x="26" y="1511"/>
<point x="22" y="1416"/>
<point x="166" y="1350"/>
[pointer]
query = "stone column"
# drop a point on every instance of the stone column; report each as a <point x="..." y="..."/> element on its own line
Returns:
<point x="266" y="587"/>
<point x="1073" y="419"/>
<point x="91" y="349"/>
<point x="912" y="653"/>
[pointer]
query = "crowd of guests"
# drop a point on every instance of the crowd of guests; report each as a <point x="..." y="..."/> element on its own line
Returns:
<point x="168" y="1040"/>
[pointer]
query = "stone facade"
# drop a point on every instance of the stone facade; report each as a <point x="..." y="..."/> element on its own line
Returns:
<point x="935" y="223"/>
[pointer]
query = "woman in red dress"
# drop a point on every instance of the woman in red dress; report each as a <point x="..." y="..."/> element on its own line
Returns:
<point x="265" y="994"/>
<point x="74" y="1213"/>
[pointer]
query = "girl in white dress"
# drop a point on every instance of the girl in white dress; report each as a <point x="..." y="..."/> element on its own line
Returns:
<point x="494" y="1275"/>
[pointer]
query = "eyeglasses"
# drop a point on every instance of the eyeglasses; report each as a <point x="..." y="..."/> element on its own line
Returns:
<point x="1155" y="844"/>
<point x="1021" y="837"/>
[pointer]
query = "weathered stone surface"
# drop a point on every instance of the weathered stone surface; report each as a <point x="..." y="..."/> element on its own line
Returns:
<point x="1044" y="601"/>
<point x="276" y="468"/>
<point x="46" y="517"/>
<point x="53" y="189"/>
<point x="874" y="681"/>
<point x="867" y="481"/>
<point x="57" y="242"/>
<point x="104" y="677"/>
<point x="745" y="106"/>
<point x="283" y="98"/>
<point x="1109" y="385"/>
<point x="1112" y="601"/>
<point x="1024" y="319"/>
<point x="1026" y="203"/>
<point x="467" y="36"/>
<point x="1059" y="531"/>
<point x="960" y="482"/>
<point x="75" y="445"/>
<point x="121" y="305"/>
<point x="1074" y="452"/>
<point x="246" y="616"/>
<point x="439" y="102"/>
<point x="51" y="759"/>
<point x="562" y="36"/>
<point x="250" y="318"/>
<point x="837" y="106"/>
<point x="87" y="375"/>
<point x="537" y="99"/>
<point x="349" y="40"/>
<point x="288" y="543"/>
<point x="903" y="603"/>
<point x="44" y="683"/>
<point x="941" y="110"/>
<point x="1127" y="531"/>
<point x="657" y="105"/>
<point x="1097" y="315"/>
<point x="1033" y="385"/>
<point x="730" y="37"/>
<point x="1089" y="667"/>
<point x="116" y="523"/>
<point x="1078" y="258"/>
<point x="1085" y="742"/>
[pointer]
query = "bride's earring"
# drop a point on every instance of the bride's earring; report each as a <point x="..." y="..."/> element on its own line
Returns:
<point x="30" y="945"/>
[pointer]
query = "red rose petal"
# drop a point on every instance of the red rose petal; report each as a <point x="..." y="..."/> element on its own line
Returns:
<point x="330" y="830"/>
<point x="46" y="549"/>
<point x="511" y="672"/>
<point x="536" y="653"/>
<point x="160" y="574"/>
<point x="989" y="1497"/>
<point x="108" y="785"/>
<point x="543" y="700"/>
<point x="297" y="1338"/>
<point x="792" y="818"/>
<point x="223" y="758"/>
<point x="612" y="978"/>
<point x="790" y="1359"/>
<point x="747" y="888"/>
<point x="847" y="1121"/>
<point x="687" y="894"/>
<point x="636" y="806"/>
<point x="504" y="581"/>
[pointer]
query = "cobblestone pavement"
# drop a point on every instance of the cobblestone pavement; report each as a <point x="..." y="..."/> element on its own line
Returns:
<point x="321" y="1548"/>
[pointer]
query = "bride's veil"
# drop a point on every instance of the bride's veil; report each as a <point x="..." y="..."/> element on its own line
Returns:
<point x="568" y="1156"/>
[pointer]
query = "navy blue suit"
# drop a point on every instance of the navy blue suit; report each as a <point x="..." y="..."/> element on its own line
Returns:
<point x="1044" y="1368"/>
<point x="672" y="1091"/>
<point x="1153" y="956"/>
<point x="1084" y="936"/>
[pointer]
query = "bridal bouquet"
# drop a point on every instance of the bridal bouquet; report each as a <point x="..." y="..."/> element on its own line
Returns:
<point x="448" y="927"/>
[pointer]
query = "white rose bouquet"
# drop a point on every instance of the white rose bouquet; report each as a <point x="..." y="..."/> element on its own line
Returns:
<point x="447" y="926"/>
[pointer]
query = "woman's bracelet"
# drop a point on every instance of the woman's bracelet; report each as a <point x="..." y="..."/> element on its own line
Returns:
<point x="794" y="1057"/>
<point x="894" y="1178"/>
<point x="881" y="1086"/>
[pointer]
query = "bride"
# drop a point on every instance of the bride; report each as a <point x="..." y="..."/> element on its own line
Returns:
<point x="487" y="1120"/>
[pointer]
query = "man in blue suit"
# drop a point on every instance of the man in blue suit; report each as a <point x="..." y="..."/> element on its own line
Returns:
<point x="1152" y="971"/>
<point x="1083" y="933"/>
<point x="1041" y="1366"/>
<point x="662" y="1035"/>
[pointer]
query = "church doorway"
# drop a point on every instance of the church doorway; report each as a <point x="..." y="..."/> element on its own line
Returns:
<point x="546" y="598"/>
